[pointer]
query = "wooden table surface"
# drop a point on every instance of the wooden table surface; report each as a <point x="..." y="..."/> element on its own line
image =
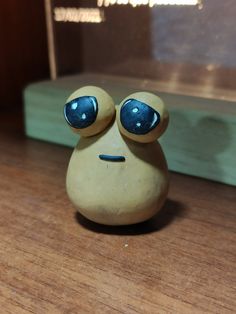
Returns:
<point x="54" y="261"/>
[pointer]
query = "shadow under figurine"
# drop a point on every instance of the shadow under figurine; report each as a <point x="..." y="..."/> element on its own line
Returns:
<point x="117" y="174"/>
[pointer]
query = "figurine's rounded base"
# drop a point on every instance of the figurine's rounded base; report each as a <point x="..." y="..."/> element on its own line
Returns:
<point x="119" y="218"/>
<point x="115" y="191"/>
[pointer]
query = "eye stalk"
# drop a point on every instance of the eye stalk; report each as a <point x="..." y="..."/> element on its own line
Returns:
<point x="81" y="112"/>
<point x="142" y="117"/>
<point x="89" y="110"/>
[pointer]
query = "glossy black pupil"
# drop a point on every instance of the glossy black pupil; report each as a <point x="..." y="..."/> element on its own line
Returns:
<point x="81" y="112"/>
<point x="137" y="117"/>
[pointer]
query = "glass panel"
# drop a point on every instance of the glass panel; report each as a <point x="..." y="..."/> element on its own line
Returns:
<point x="179" y="42"/>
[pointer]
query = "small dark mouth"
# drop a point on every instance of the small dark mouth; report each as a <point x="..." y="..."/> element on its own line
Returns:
<point x="112" y="158"/>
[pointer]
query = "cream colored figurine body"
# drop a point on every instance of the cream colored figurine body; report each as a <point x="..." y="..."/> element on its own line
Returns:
<point x="117" y="174"/>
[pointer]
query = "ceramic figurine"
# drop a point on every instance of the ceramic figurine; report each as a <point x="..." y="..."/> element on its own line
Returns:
<point x="117" y="173"/>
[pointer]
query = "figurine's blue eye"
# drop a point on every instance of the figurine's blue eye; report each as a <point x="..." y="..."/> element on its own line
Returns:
<point x="137" y="117"/>
<point x="81" y="112"/>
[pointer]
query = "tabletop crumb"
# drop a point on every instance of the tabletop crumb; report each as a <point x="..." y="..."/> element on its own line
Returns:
<point x="126" y="245"/>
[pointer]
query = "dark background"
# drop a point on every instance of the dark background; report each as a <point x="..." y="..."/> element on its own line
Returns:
<point x="23" y="52"/>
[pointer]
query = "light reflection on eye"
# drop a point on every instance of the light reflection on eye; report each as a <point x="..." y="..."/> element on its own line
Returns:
<point x="137" y="117"/>
<point x="81" y="112"/>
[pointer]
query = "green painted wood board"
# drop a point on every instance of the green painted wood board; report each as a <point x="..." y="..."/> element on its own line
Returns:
<point x="200" y="139"/>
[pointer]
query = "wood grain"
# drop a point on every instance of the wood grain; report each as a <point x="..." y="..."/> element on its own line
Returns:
<point x="54" y="261"/>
